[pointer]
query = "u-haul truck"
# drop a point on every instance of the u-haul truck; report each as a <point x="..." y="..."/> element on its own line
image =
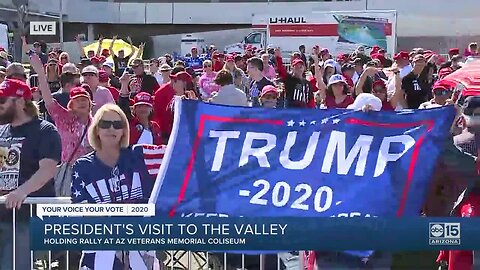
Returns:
<point x="339" y="31"/>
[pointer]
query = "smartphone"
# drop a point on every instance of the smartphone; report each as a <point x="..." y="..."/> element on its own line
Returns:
<point x="130" y="71"/>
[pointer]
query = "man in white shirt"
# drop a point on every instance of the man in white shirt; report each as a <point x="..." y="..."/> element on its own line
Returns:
<point x="404" y="67"/>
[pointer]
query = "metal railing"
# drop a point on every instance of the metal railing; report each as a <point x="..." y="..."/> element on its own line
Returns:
<point x="169" y="260"/>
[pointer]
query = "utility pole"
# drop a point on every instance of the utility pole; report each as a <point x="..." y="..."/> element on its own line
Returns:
<point x="19" y="31"/>
<point x="60" y="18"/>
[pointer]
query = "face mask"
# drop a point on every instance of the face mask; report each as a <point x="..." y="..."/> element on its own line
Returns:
<point x="269" y="103"/>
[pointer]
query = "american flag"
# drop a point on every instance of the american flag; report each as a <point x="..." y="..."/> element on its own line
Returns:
<point x="130" y="181"/>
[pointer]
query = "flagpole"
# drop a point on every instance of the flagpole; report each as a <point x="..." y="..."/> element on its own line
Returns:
<point x="61" y="24"/>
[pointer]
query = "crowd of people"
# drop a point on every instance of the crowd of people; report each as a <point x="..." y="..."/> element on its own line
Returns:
<point x="100" y="117"/>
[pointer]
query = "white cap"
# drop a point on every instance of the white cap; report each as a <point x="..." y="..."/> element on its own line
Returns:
<point x="90" y="69"/>
<point x="366" y="99"/>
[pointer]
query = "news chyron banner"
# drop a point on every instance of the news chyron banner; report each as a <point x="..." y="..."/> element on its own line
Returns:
<point x="256" y="167"/>
<point x="247" y="234"/>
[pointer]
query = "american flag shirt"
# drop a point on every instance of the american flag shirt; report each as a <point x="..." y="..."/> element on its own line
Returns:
<point x="130" y="181"/>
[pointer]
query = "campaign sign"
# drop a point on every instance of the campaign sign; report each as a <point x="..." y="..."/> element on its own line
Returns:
<point x="241" y="234"/>
<point x="257" y="162"/>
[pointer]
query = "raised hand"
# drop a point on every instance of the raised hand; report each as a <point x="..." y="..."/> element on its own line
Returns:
<point x="125" y="78"/>
<point x="36" y="63"/>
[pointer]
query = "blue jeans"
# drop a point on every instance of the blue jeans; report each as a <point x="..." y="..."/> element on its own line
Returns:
<point x="22" y="246"/>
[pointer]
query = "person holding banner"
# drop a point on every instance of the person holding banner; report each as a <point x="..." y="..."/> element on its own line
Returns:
<point x="463" y="156"/>
<point x="103" y="176"/>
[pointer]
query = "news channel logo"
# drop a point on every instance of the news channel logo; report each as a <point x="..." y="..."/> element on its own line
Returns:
<point x="445" y="234"/>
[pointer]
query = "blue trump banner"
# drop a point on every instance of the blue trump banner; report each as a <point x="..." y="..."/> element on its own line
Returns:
<point x="231" y="161"/>
<point x="255" y="162"/>
<point x="280" y="233"/>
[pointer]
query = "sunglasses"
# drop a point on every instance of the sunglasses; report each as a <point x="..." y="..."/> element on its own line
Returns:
<point x="438" y="92"/>
<point x="104" y="124"/>
<point x="207" y="66"/>
<point x="136" y="66"/>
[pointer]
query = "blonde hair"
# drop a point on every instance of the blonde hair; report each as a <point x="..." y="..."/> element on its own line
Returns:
<point x="93" y="137"/>
<point x="207" y="62"/>
<point x="64" y="54"/>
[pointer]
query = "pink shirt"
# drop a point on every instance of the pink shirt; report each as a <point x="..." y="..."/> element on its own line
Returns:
<point x="101" y="97"/>
<point x="70" y="130"/>
<point x="207" y="85"/>
<point x="269" y="72"/>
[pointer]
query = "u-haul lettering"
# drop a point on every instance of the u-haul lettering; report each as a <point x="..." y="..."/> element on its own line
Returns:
<point x="287" y="20"/>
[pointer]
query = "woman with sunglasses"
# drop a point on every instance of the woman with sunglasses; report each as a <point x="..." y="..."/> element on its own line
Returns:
<point x="53" y="71"/>
<point x="206" y="82"/>
<point x="115" y="173"/>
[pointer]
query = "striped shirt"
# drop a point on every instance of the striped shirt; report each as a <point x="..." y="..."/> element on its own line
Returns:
<point x="131" y="180"/>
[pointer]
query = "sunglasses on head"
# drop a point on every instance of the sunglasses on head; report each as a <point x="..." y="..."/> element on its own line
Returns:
<point x="105" y="124"/>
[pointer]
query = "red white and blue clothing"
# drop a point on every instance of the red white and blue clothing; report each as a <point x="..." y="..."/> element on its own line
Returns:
<point x="194" y="62"/>
<point x="131" y="180"/>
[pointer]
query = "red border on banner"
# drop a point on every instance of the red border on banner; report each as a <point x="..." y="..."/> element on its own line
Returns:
<point x="354" y="121"/>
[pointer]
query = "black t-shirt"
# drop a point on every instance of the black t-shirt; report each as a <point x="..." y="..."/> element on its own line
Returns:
<point x="143" y="83"/>
<point x="368" y="84"/>
<point x="298" y="92"/>
<point x="61" y="97"/>
<point x="416" y="89"/>
<point x="115" y="82"/>
<point x="54" y="86"/>
<point x="120" y="64"/>
<point x="257" y="87"/>
<point x="21" y="149"/>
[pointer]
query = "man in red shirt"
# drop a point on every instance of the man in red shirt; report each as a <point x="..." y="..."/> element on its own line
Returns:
<point x="164" y="97"/>
<point x="218" y="61"/>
